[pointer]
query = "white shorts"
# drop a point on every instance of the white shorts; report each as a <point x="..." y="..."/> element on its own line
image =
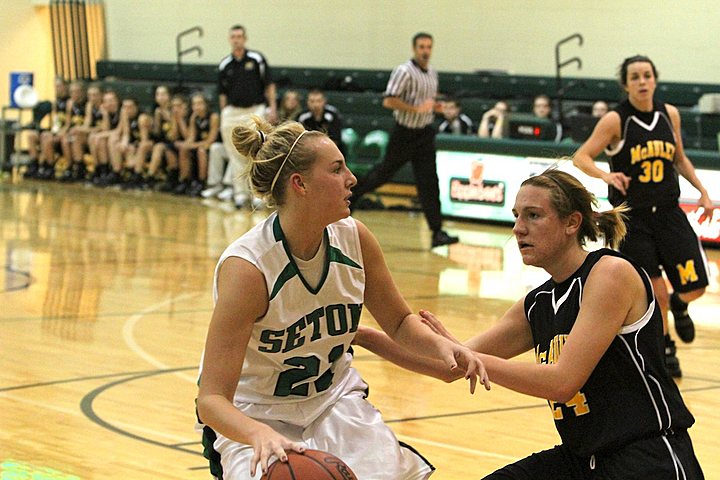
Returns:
<point x="352" y="429"/>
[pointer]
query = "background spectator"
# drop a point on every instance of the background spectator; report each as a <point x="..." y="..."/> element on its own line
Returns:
<point x="494" y="122"/>
<point x="322" y="117"/>
<point x="454" y="121"/>
<point x="290" y="107"/>
<point x="600" y="108"/>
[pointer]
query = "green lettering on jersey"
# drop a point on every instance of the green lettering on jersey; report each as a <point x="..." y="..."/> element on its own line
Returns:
<point x="293" y="339"/>
<point x="336" y="320"/>
<point x="355" y="311"/>
<point x="273" y="338"/>
<point x="314" y="319"/>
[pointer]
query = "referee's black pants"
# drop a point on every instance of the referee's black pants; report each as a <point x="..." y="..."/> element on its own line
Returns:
<point x="415" y="145"/>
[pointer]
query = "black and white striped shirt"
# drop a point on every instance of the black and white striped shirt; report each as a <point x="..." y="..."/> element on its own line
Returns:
<point x="461" y="125"/>
<point x="412" y="85"/>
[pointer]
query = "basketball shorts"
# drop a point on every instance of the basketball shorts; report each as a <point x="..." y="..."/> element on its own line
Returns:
<point x="666" y="457"/>
<point x="350" y="428"/>
<point x="662" y="239"/>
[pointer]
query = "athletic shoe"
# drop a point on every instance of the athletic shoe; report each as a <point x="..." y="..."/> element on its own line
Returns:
<point x="241" y="200"/>
<point x="225" y="194"/>
<point x="67" y="176"/>
<point x="684" y="325"/>
<point x="32" y="169"/>
<point x="182" y="188"/>
<point x="46" y="172"/>
<point x="112" y="178"/>
<point x="441" y="237"/>
<point x="196" y="188"/>
<point x="672" y="364"/>
<point x="170" y="183"/>
<point x="135" y="181"/>
<point x="211" y="191"/>
<point x="79" y="172"/>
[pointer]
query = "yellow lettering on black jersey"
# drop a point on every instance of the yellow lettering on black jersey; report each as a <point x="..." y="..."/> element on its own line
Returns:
<point x="687" y="272"/>
<point x="652" y="149"/>
<point x="578" y="403"/>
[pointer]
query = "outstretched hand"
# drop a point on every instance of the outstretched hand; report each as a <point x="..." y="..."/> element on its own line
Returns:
<point x="460" y="356"/>
<point x="707" y="206"/>
<point x="618" y="180"/>
<point x="436" y="326"/>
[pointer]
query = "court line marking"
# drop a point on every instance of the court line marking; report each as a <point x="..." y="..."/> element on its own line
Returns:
<point x="455" y="448"/>
<point x="88" y="409"/>
<point x="79" y="379"/>
<point x="99" y="316"/>
<point x="128" y="333"/>
<point x="76" y="413"/>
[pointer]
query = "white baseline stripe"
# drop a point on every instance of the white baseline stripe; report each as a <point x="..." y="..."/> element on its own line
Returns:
<point x="129" y="335"/>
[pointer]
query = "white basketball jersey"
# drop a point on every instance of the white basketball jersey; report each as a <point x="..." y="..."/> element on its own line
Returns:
<point x="298" y="351"/>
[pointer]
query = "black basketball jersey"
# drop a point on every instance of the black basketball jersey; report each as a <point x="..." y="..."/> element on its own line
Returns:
<point x="135" y="129"/>
<point x="202" y="127"/>
<point x="646" y="154"/>
<point x="61" y="109"/>
<point x="165" y="127"/>
<point x="77" y="114"/>
<point x="114" y="119"/>
<point x="629" y="395"/>
<point x="95" y="116"/>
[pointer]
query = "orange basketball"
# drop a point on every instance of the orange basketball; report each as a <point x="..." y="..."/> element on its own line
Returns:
<point x="310" y="465"/>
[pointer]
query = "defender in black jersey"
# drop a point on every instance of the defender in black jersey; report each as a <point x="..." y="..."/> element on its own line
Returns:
<point x="642" y="138"/>
<point x="599" y="363"/>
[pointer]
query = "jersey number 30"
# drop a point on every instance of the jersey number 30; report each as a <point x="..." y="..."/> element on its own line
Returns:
<point x="293" y="381"/>
<point x="653" y="171"/>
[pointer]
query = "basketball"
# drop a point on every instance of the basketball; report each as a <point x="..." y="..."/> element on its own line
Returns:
<point x="311" y="465"/>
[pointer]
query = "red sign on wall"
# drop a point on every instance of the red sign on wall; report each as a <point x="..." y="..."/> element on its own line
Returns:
<point x="709" y="229"/>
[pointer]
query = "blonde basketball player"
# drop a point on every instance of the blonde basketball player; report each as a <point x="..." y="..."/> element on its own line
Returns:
<point x="276" y="373"/>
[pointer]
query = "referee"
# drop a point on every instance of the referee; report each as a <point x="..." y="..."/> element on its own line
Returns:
<point x="410" y="93"/>
<point x="245" y="87"/>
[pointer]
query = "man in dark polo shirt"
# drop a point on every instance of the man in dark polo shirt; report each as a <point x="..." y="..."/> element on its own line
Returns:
<point x="322" y="117"/>
<point x="245" y="88"/>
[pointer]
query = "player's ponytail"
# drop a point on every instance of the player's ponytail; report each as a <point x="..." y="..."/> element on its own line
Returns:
<point x="568" y="195"/>
<point x="611" y="224"/>
<point x="274" y="153"/>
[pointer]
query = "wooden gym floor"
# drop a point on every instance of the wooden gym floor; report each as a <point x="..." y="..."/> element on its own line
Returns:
<point x="105" y="303"/>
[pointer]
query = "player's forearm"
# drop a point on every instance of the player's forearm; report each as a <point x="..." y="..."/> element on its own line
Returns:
<point x="221" y="415"/>
<point x="423" y="342"/>
<point x="542" y="381"/>
<point x="382" y="345"/>
<point x="587" y="165"/>
<point x="687" y="170"/>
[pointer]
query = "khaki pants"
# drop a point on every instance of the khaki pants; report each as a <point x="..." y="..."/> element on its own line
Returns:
<point x="230" y="118"/>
